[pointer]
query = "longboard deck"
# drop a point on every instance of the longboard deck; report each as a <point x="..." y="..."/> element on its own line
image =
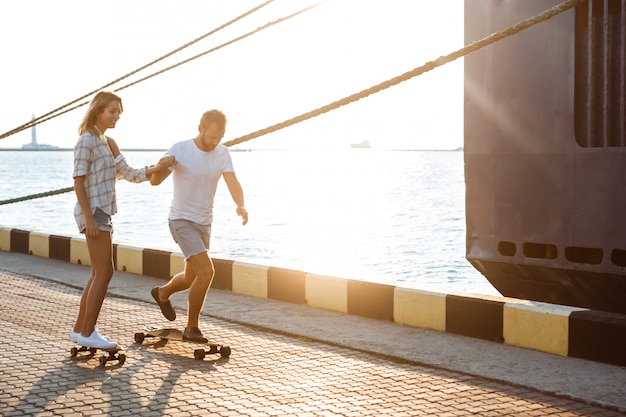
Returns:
<point x="176" y="334"/>
<point x="167" y="333"/>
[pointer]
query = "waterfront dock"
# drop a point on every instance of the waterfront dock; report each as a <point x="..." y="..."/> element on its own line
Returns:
<point x="287" y="360"/>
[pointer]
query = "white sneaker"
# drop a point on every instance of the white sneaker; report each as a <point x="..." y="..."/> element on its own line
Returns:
<point x="96" y="341"/>
<point x="74" y="336"/>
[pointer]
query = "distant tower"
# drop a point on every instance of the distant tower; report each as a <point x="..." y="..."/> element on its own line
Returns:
<point x="33" y="145"/>
<point x="33" y="134"/>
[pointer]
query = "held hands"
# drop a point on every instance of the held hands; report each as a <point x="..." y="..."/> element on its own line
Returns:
<point x="241" y="211"/>
<point x="165" y="162"/>
<point x="160" y="167"/>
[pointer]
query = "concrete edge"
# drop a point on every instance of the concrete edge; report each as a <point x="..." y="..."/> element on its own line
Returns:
<point x="562" y="330"/>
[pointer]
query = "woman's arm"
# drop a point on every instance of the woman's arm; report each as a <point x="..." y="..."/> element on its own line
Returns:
<point x="123" y="170"/>
<point x="137" y="175"/>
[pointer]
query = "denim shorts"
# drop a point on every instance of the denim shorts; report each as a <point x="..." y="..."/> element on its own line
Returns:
<point x="192" y="238"/>
<point x="104" y="220"/>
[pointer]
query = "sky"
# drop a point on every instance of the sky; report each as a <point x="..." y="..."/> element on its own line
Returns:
<point x="55" y="52"/>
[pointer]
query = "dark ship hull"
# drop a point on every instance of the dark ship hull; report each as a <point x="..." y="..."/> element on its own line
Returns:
<point x="545" y="152"/>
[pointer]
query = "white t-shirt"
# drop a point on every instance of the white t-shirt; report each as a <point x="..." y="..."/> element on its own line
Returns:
<point x="195" y="177"/>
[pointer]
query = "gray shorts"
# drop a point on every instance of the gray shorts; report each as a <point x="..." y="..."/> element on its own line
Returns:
<point x="192" y="238"/>
<point x="104" y="220"/>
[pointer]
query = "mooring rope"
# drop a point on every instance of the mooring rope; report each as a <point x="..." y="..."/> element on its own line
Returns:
<point x="39" y="195"/>
<point x="474" y="46"/>
<point x="45" y="117"/>
<point x="267" y="25"/>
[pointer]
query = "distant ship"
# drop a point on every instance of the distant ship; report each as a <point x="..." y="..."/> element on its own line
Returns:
<point x="33" y="145"/>
<point x="361" y="145"/>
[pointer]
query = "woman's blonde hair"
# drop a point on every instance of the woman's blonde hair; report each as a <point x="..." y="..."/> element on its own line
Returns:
<point x="100" y="101"/>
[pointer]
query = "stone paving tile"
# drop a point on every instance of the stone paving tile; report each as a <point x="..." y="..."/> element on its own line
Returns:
<point x="268" y="374"/>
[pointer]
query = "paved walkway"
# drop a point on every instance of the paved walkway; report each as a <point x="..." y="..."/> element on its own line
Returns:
<point x="287" y="360"/>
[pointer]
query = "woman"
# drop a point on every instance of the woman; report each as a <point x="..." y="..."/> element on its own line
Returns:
<point x="98" y="163"/>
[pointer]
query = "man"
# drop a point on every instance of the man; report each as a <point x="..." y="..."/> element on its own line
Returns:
<point x="200" y="162"/>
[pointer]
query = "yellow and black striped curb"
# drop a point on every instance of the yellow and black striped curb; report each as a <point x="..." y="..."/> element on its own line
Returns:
<point x="562" y="330"/>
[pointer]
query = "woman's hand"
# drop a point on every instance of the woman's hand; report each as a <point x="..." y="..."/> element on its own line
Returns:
<point x="92" y="230"/>
<point x="166" y="161"/>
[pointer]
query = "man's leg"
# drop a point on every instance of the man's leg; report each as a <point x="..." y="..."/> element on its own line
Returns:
<point x="204" y="272"/>
<point x="179" y="282"/>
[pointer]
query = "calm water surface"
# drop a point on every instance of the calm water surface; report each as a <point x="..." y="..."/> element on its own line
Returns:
<point x="393" y="217"/>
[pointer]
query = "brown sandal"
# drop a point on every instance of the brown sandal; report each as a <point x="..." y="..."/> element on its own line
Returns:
<point x="166" y="306"/>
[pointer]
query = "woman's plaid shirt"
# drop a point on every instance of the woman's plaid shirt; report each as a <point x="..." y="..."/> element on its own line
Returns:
<point x="93" y="160"/>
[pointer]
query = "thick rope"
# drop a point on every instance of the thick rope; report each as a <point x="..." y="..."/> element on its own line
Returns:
<point x="475" y="46"/>
<point x="34" y="196"/>
<point x="41" y="119"/>
<point x="267" y="25"/>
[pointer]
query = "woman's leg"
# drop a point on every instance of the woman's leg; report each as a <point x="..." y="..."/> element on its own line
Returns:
<point x="80" y="320"/>
<point x="101" y="258"/>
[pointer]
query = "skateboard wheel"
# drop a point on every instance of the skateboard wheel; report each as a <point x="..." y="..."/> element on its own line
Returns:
<point x="121" y="358"/>
<point x="102" y="360"/>
<point x="225" y="351"/>
<point x="199" y="354"/>
<point x="74" y="351"/>
<point x="139" y="337"/>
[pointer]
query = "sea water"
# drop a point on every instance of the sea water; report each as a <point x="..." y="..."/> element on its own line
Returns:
<point x="393" y="217"/>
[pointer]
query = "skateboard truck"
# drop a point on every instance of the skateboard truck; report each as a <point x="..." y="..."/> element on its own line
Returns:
<point x="110" y="354"/>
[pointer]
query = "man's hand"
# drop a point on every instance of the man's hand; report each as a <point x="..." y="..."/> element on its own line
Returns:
<point x="241" y="211"/>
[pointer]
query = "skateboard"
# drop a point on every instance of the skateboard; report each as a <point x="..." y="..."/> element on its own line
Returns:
<point x="175" y="334"/>
<point x="110" y="354"/>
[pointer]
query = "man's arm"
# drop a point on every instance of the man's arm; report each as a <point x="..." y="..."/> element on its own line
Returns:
<point x="157" y="173"/>
<point x="236" y="192"/>
<point x="157" y="176"/>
